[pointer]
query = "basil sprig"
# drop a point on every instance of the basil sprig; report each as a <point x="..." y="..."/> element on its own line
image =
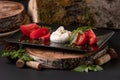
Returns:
<point x="87" y="68"/>
<point x="16" y="54"/>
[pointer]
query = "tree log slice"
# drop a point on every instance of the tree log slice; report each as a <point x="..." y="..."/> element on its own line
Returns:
<point x="11" y="15"/>
<point x="63" y="59"/>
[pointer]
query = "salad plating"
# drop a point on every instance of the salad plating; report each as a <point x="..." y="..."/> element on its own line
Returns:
<point x="79" y="37"/>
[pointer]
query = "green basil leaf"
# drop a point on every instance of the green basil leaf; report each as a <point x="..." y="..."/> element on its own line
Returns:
<point x="95" y="68"/>
<point x="81" y="68"/>
<point x="73" y="37"/>
<point x="85" y="68"/>
<point x="98" y="68"/>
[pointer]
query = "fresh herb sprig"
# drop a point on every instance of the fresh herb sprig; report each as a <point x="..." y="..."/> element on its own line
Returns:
<point x="78" y="30"/>
<point x="16" y="54"/>
<point x="87" y="68"/>
<point x="26" y="57"/>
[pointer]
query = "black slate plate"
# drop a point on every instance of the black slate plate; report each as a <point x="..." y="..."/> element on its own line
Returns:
<point x="102" y="35"/>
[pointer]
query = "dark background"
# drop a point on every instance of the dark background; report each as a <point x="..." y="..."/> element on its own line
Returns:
<point x="111" y="70"/>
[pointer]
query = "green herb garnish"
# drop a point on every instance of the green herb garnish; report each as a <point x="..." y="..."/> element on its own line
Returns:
<point x="85" y="68"/>
<point x="26" y="57"/>
<point x="16" y="54"/>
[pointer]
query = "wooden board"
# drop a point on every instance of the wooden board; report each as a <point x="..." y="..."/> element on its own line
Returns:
<point x="11" y="15"/>
<point x="63" y="59"/>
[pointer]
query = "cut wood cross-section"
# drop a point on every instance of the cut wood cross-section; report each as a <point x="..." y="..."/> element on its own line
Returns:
<point x="60" y="59"/>
<point x="11" y="15"/>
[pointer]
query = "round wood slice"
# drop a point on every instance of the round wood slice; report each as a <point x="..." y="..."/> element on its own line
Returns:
<point x="11" y="15"/>
<point x="60" y="59"/>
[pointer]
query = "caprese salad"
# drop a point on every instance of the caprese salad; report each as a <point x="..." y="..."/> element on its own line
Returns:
<point x="79" y="37"/>
<point x="82" y="36"/>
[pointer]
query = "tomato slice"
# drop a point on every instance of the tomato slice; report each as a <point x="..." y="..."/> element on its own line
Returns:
<point x="81" y="39"/>
<point x="27" y="29"/>
<point x="45" y="37"/>
<point x="36" y="34"/>
<point x="44" y="31"/>
<point x="92" y="37"/>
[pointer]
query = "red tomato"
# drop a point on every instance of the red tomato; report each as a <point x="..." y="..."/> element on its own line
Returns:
<point x="44" y="31"/>
<point x="81" y="39"/>
<point x="27" y="29"/>
<point x="46" y="37"/>
<point x="36" y="34"/>
<point x="92" y="37"/>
